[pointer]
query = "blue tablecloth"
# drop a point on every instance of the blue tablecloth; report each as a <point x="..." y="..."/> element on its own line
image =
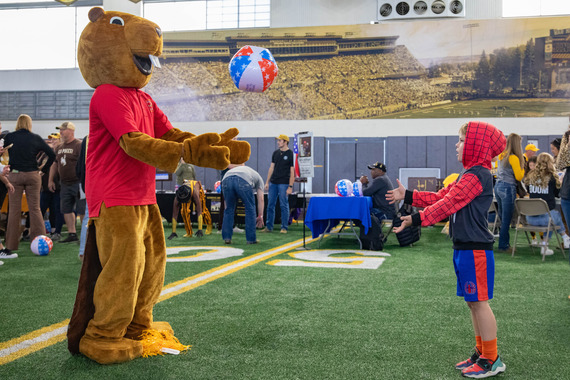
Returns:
<point x="321" y="210"/>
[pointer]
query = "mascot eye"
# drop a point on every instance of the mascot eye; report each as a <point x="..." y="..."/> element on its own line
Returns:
<point x="117" y="21"/>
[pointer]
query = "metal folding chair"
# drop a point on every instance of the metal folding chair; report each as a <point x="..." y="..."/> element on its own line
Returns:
<point x="496" y="224"/>
<point x="535" y="207"/>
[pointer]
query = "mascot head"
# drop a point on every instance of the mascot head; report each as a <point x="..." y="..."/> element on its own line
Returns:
<point x="118" y="48"/>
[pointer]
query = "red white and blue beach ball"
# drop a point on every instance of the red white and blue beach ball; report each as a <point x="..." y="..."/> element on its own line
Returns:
<point x="41" y="245"/>
<point x="253" y="69"/>
<point x="343" y="188"/>
<point x="218" y="187"/>
<point x="357" y="188"/>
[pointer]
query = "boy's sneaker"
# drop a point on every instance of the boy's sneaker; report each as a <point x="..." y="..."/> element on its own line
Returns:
<point x="484" y="368"/>
<point x="1" y="262"/>
<point x="70" y="238"/>
<point x="469" y="362"/>
<point x="566" y="240"/>
<point x="534" y="242"/>
<point x="7" y="254"/>
<point x="283" y="231"/>
<point x="55" y="236"/>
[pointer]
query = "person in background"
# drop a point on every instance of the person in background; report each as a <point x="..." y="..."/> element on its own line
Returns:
<point x="193" y="200"/>
<point x="50" y="199"/>
<point x="25" y="176"/>
<point x="241" y="182"/>
<point x="5" y="187"/>
<point x="562" y="164"/>
<point x="279" y="184"/>
<point x="67" y="154"/>
<point x="380" y="185"/>
<point x="530" y="151"/>
<point x="80" y="172"/>
<point x="555" y="147"/>
<point x="543" y="182"/>
<point x="511" y="170"/>
<point x="183" y="172"/>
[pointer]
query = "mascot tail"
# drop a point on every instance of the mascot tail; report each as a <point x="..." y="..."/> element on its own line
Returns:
<point x="84" y="309"/>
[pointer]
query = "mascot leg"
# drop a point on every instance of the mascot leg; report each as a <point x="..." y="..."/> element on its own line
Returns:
<point x="153" y="277"/>
<point x="121" y="234"/>
<point x="186" y="211"/>
<point x="206" y="213"/>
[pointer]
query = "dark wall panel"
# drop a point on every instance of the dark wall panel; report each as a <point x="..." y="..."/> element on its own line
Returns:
<point x="416" y="154"/>
<point x="318" y="152"/>
<point x="436" y="153"/>
<point x="453" y="165"/>
<point x="341" y="157"/>
<point x="396" y="156"/>
<point x="368" y="151"/>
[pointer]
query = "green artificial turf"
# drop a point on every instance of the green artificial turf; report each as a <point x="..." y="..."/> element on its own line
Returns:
<point x="400" y="321"/>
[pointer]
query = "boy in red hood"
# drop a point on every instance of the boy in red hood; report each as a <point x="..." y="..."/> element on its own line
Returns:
<point x="466" y="201"/>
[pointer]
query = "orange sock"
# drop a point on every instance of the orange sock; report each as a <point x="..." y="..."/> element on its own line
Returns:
<point x="490" y="349"/>
<point x="479" y="343"/>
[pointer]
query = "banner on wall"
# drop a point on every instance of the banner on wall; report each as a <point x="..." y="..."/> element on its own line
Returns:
<point x="498" y="68"/>
<point x="304" y="163"/>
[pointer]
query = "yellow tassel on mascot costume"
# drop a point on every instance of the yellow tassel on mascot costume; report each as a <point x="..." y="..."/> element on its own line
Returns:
<point x="129" y="136"/>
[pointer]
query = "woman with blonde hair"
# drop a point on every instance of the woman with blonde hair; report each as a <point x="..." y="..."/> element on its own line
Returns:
<point x="543" y="182"/>
<point x="510" y="170"/>
<point x="25" y="176"/>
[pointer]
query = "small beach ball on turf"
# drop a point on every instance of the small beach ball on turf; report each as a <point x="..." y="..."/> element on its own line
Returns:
<point x="253" y="69"/>
<point x="357" y="188"/>
<point x="41" y="245"/>
<point x="343" y="188"/>
<point x="218" y="187"/>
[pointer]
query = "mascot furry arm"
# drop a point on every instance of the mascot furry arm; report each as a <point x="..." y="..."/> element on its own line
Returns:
<point x="209" y="149"/>
<point x="125" y="256"/>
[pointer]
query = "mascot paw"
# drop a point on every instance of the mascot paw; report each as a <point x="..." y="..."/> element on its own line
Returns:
<point x="135" y="331"/>
<point x="239" y="150"/>
<point x="199" y="233"/>
<point x="110" y="351"/>
<point x="201" y="151"/>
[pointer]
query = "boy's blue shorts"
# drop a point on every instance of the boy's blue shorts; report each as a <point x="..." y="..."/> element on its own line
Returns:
<point x="475" y="271"/>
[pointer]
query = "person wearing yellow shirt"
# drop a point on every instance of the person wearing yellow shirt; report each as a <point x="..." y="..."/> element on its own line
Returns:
<point x="510" y="170"/>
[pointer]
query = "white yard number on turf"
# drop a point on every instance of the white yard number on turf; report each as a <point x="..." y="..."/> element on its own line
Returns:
<point x="205" y="254"/>
<point x="323" y="259"/>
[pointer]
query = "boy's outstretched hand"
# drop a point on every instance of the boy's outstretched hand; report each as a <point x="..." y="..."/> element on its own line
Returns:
<point x="406" y="222"/>
<point x="397" y="194"/>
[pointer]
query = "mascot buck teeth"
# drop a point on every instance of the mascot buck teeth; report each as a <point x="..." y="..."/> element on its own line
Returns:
<point x="129" y="136"/>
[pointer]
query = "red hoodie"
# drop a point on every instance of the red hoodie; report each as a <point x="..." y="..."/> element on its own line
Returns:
<point x="469" y="197"/>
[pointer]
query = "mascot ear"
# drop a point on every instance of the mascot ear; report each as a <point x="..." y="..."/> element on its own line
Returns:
<point x="95" y="14"/>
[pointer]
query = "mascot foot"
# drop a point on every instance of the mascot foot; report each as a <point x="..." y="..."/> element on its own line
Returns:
<point x="110" y="351"/>
<point x="208" y="229"/>
<point x="136" y="333"/>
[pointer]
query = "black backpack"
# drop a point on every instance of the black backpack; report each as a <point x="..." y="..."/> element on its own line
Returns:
<point x="374" y="239"/>
<point x="410" y="234"/>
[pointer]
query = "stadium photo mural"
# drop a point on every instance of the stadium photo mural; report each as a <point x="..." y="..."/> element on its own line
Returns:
<point x="490" y="68"/>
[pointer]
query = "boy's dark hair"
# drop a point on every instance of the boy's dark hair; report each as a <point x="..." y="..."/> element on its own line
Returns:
<point x="556" y="142"/>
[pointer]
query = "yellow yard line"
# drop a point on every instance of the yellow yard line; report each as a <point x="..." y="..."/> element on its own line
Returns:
<point x="50" y="335"/>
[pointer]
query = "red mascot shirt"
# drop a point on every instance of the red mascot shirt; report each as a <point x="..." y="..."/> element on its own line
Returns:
<point x="112" y="176"/>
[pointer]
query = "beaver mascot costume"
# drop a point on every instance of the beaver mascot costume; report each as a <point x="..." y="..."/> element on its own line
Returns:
<point x="129" y="136"/>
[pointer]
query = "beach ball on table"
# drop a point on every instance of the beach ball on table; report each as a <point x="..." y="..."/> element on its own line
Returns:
<point x="253" y="69"/>
<point x="218" y="187"/>
<point x="357" y="188"/>
<point x="343" y="188"/>
<point x="41" y="245"/>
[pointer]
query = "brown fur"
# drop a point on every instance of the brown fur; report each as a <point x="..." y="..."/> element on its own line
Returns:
<point x="123" y="269"/>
